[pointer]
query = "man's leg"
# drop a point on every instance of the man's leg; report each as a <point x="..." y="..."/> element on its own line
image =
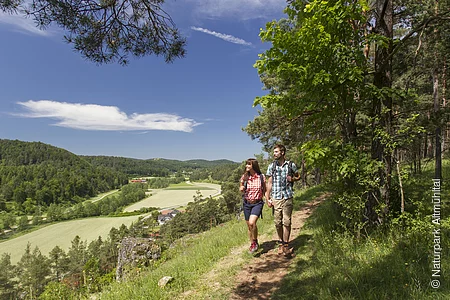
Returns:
<point x="287" y="217"/>
<point x="278" y="217"/>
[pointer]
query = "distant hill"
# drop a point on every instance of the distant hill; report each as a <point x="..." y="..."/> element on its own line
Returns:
<point x="48" y="174"/>
<point x="155" y="166"/>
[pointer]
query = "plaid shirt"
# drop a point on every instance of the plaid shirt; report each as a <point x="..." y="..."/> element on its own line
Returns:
<point x="254" y="189"/>
<point x="281" y="189"/>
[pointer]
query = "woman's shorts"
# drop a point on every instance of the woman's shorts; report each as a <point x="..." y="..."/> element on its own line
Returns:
<point x="252" y="209"/>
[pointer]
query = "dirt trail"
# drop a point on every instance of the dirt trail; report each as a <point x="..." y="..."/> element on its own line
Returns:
<point x="263" y="275"/>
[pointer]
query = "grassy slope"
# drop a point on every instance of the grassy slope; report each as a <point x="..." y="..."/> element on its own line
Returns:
<point x="392" y="265"/>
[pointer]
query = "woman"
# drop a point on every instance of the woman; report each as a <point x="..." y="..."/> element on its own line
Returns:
<point x="253" y="187"/>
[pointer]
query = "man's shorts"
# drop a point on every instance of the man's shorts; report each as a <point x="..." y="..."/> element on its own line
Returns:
<point x="282" y="211"/>
<point x="253" y="209"/>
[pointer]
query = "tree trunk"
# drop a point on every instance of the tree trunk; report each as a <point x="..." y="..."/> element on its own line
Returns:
<point x="382" y="110"/>
<point x="444" y="100"/>
<point x="438" y="149"/>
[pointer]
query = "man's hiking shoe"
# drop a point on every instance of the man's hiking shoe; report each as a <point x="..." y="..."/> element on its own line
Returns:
<point x="280" y="249"/>
<point x="287" y="252"/>
<point x="253" y="247"/>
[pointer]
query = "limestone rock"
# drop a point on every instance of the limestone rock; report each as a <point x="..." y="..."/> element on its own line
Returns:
<point x="164" y="281"/>
<point x="135" y="253"/>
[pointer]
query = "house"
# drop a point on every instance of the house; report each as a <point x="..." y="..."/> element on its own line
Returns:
<point x="138" y="180"/>
<point x="167" y="215"/>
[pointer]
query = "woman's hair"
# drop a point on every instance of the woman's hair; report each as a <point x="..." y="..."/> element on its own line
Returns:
<point x="254" y="164"/>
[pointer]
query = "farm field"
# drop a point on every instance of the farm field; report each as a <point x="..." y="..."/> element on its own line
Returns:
<point x="102" y="195"/>
<point x="175" y="196"/>
<point x="61" y="234"/>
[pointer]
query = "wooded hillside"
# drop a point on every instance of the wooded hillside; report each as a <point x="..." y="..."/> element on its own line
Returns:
<point x="155" y="166"/>
<point x="46" y="174"/>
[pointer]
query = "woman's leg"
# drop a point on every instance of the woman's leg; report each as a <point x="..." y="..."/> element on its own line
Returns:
<point x="252" y="228"/>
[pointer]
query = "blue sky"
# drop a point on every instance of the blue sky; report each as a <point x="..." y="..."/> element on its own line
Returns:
<point x="51" y="94"/>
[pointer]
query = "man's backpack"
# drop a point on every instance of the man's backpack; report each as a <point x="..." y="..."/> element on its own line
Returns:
<point x="290" y="172"/>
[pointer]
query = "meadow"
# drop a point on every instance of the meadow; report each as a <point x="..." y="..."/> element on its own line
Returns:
<point x="175" y="195"/>
<point x="61" y="234"/>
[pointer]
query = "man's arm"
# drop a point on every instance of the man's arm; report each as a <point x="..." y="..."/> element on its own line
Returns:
<point x="269" y="191"/>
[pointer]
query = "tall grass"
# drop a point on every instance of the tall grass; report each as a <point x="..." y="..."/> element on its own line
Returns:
<point x="395" y="262"/>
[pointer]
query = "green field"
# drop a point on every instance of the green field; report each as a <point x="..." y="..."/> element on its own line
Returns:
<point x="102" y="195"/>
<point x="61" y="234"/>
<point x="175" y="195"/>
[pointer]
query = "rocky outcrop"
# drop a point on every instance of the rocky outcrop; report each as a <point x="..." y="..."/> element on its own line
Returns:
<point x="135" y="253"/>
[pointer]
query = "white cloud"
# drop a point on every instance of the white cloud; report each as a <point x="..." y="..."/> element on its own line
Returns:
<point x="98" y="117"/>
<point x="225" y="37"/>
<point x="238" y="9"/>
<point x="22" y="24"/>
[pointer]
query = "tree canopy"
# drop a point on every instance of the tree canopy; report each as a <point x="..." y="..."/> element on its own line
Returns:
<point x="107" y="31"/>
<point x="345" y="89"/>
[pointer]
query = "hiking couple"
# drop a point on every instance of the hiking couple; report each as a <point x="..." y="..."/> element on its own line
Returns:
<point x="278" y="191"/>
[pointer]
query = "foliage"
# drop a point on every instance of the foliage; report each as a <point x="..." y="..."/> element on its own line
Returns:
<point x="394" y="263"/>
<point x="7" y="275"/>
<point x="107" y="31"/>
<point x="157" y="167"/>
<point x="34" y="174"/>
<point x="32" y="271"/>
<point x="343" y="94"/>
<point x="200" y="215"/>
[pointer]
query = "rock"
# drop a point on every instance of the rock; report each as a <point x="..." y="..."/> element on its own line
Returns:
<point x="164" y="281"/>
<point x="135" y="253"/>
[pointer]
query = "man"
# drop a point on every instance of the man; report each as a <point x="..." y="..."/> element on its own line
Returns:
<point x="281" y="175"/>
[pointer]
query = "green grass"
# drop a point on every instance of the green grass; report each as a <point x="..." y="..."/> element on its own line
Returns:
<point x="335" y="265"/>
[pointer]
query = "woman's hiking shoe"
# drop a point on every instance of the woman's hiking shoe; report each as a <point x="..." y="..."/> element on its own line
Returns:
<point x="253" y="247"/>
